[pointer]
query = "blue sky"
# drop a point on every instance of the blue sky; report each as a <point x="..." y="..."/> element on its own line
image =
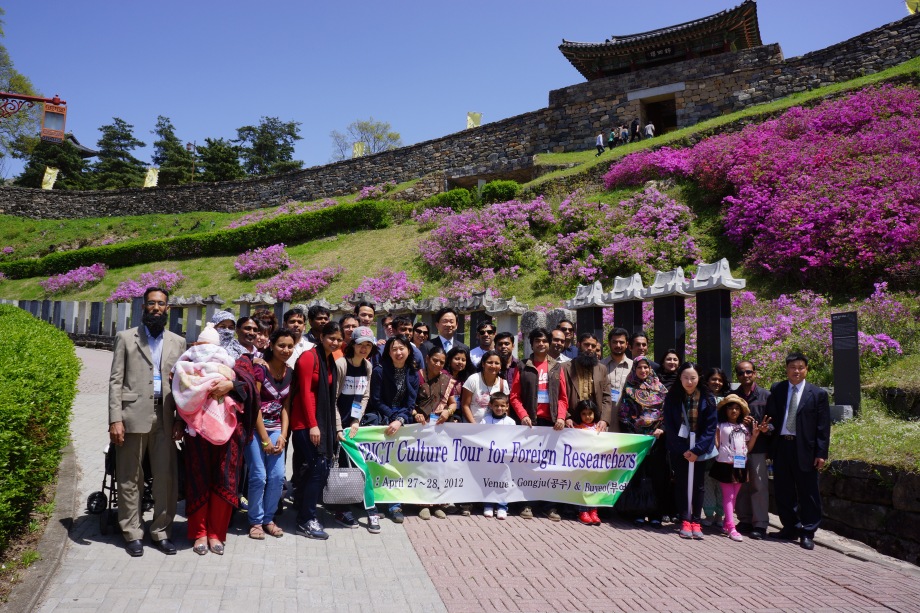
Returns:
<point x="212" y="67"/>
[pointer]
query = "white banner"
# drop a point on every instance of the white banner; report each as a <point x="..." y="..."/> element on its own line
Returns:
<point x="431" y="464"/>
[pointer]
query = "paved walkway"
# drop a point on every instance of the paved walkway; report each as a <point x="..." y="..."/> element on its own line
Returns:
<point x="457" y="564"/>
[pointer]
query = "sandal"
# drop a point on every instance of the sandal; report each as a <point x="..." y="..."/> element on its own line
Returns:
<point x="200" y="548"/>
<point x="217" y="547"/>
<point x="272" y="529"/>
<point x="256" y="532"/>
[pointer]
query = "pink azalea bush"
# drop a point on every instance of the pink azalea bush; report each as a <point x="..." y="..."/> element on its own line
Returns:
<point x="829" y="195"/>
<point x="598" y="241"/>
<point x="73" y="280"/>
<point x="371" y="192"/>
<point x="477" y="247"/>
<point x="387" y="285"/>
<point x="262" y="262"/>
<point x="8" y="251"/>
<point x="135" y="288"/>
<point x="429" y="218"/>
<point x="298" y="284"/>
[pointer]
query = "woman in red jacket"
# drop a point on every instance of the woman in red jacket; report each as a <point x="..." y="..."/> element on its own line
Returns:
<point x="315" y="426"/>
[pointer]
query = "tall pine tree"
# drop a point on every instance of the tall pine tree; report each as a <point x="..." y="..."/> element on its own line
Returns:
<point x="116" y="166"/>
<point x="268" y="149"/>
<point x="174" y="160"/>
<point x="219" y="160"/>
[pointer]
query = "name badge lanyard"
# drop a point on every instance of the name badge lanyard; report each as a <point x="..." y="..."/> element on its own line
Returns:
<point x="738" y="453"/>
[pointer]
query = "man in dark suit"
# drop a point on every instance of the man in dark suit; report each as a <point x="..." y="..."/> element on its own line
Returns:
<point x="800" y="413"/>
<point x="141" y="420"/>
<point x="445" y="320"/>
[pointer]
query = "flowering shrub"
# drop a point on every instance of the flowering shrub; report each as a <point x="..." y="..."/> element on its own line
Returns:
<point x="299" y="283"/>
<point x="599" y="241"/>
<point x="829" y="194"/>
<point x="372" y="192"/>
<point x="8" y="251"/>
<point x="262" y="262"/>
<point x="479" y="246"/>
<point x="387" y="285"/>
<point x="642" y="166"/>
<point x="72" y="280"/>
<point x="429" y="218"/>
<point x="131" y="288"/>
<point x="288" y="208"/>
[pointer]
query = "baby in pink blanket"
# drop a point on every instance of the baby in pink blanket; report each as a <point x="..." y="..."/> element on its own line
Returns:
<point x="198" y="370"/>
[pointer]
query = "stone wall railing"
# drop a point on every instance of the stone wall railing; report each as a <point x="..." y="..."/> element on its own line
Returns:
<point x="703" y="88"/>
<point x="877" y="505"/>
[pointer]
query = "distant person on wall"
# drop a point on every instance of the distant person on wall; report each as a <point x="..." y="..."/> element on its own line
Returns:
<point x="800" y="414"/>
<point x="612" y="138"/>
<point x="624" y="134"/>
<point x="485" y="334"/>
<point x="599" y="143"/>
<point x="635" y="131"/>
<point x="650" y="130"/>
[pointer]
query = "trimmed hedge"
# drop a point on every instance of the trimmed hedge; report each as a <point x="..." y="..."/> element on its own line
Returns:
<point x="500" y="191"/>
<point x="37" y="389"/>
<point x="364" y="215"/>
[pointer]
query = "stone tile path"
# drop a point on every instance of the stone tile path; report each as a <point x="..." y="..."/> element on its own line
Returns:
<point x="458" y="564"/>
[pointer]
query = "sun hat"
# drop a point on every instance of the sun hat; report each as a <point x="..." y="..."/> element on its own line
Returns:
<point x="736" y="399"/>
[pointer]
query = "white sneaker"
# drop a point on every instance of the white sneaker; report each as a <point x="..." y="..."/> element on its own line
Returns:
<point x="501" y="514"/>
<point x="487" y="511"/>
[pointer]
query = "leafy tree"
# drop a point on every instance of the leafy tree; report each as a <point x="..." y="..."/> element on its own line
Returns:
<point x="174" y="160"/>
<point x="116" y="166"/>
<point x="377" y="136"/>
<point x="219" y="160"/>
<point x="268" y="148"/>
<point x="24" y="123"/>
<point x="64" y="156"/>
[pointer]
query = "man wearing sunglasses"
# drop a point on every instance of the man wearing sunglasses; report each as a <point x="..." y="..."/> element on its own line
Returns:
<point x="753" y="501"/>
<point x="485" y="334"/>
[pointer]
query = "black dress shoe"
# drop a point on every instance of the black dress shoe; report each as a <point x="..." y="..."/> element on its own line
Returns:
<point x="166" y="546"/>
<point x="785" y="534"/>
<point x="757" y="534"/>
<point x="135" y="548"/>
<point x="744" y="528"/>
<point x="807" y="543"/>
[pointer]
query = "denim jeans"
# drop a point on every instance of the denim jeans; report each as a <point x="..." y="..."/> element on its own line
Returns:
<point x="499" y="506"/>
<point x="266" y="479"/>
<point x="310" y="477"/>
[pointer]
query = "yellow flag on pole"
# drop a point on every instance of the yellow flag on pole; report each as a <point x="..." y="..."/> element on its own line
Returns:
<point x="153" y="175"/>
<point x="357" y="149"/>
<point x="49" y="178"/>
<point x="912" y="6"/>
<point x="473" y="120"/>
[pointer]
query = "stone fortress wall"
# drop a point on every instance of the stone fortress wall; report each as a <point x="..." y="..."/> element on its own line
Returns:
<point x="702" y="88"/>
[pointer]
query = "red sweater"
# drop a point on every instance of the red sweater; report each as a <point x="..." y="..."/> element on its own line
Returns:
<point x="303" y="404"/>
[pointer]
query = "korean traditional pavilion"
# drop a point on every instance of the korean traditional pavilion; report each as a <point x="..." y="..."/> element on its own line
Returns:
<point x="726" y="31"/>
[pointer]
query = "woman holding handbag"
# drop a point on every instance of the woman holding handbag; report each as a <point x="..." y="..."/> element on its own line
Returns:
<point x="315" y="426"/>
<point x="352" y="395"/>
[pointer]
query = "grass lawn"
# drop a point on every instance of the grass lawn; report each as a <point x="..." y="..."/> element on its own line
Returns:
<point x="878" y="437"/>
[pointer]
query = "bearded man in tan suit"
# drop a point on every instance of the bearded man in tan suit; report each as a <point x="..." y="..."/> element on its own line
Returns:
<point x="141" y="420"/>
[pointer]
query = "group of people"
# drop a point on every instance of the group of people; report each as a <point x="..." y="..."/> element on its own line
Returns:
<point x="309" y="379"/>
<point x="625" y="133"/>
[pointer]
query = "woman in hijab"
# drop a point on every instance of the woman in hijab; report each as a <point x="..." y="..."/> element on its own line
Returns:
<point x="640" y="413"/>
